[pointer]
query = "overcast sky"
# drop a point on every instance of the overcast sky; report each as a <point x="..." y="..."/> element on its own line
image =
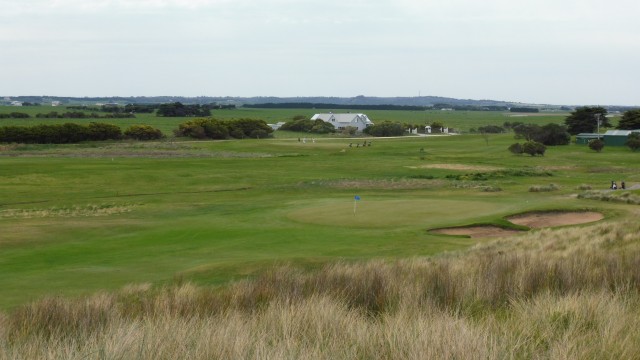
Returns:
<point x="535" y="51"/>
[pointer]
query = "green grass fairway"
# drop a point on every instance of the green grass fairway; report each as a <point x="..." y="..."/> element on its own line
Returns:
<point x="394" y="213"/>
<point x="81" y="218"/>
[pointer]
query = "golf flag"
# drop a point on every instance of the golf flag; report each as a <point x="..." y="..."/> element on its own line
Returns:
<point x="355" y="202"/>
<point x="357" y="197"/>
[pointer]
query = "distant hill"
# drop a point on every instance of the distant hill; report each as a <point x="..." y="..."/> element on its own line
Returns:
<point x="358" y="100"/>
<point x="417" y="101"/>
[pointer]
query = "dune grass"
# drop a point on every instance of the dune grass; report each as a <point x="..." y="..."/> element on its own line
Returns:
<point x="569" y="293"/>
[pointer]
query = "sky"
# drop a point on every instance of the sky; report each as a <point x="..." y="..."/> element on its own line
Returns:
<point x="565" y="52"/>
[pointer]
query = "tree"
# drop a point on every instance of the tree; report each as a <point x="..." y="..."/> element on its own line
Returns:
<point x="437" y="125"/>
<point x="553" y="134"/>
<point x="585" y="119"/>
<point x="630" y="120"/>
<point x="526" y="131"/>
<point x="633" y="142"/>
<point x="596" y="145"/>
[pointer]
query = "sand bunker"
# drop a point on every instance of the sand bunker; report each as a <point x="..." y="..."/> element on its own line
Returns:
<point x="477" y="231"/>
<point x="551" y="219"/>
<point x="534" y="220"/>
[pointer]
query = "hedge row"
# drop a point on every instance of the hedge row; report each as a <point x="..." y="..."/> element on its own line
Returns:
<point x="224" y="129"/>
<point x="73" y="133"/>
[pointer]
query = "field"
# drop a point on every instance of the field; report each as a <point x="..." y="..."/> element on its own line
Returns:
<point x="80" y="219"/>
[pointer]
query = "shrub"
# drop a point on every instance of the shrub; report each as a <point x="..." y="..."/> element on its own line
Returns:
<point x="102" y="131"/>
<point x="633" y="142"/>
<point x="385" y="128"/>
<point x="259" y="134"/>
<point x="248" y="126"/>
<point x="317" y="126"/>
<point x="516" y="149"/>
<point x="491" y="129"/>
<point x="543" y="188"/>
<point x="596" y="145"/>
<point x="143" y="132"/>
<point x="534" y="148"/>
<point x="584" y="187"/>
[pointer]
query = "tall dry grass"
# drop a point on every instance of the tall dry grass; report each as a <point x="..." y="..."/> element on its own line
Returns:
<point x="568" y="294"/>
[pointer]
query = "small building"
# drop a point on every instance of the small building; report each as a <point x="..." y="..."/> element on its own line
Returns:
<point x="276" y="126"/>
<point x="16" y="103"/>
<point x="617" y="137"/>
<point x="342" y="121"/>
<point x="584" y="138"/>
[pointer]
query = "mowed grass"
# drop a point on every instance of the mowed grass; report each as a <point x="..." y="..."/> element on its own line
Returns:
<point x="211" y="212"/>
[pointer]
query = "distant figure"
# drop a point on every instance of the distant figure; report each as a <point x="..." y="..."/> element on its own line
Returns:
<point x="622" y="186"/>
<point x="614" y="186"/>
<point x="350" y="144"/>
<point x="304" y="140"/>
<point x="298" y="139"/>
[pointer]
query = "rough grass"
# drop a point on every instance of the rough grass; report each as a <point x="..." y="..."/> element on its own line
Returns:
<point x="571" y="294"/>
<point x="624" y="197"/>
<point x="71" y="211"/>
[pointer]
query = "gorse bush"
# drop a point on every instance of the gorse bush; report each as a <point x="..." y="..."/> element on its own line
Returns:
<point x="143" y="132"/>
<point x="59" y="133"/>
<point x="210" y="128"/>
<point x="570" y="293"/>
<point x="534" y="148"/>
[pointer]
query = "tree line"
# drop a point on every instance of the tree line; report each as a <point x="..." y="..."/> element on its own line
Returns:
<point x="178" y="109"/>
<point x="14" y="115"/>
<point x="82" y="115"/>
<point x="210" y="128"/>
<point x="70" y="133"/>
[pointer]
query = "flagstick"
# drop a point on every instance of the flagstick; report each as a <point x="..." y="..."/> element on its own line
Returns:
<point x="355" y="202"/>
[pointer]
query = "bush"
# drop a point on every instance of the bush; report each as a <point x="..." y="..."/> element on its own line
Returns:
<point x="633" y="142"/>
<point x="248" y="127"/>
<point x="534" y="148"/>
<point x="385" y="128"/>
<point x="516" y="149"/>
<point x="491" y="129"/>
<point x="539" y="188"/>
<point x="317" y="126"/>
<point x="596" y="144"/>
<point x="59" y="134"/>
<point x="102" y="131"/>
<point x="143" y="132"/>
<point x="218" y="129"/>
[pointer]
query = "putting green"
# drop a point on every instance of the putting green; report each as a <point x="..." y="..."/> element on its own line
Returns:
<point x="393" y="213"/>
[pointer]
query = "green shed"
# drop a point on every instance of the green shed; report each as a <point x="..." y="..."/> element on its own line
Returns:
<point x="617" y="137"/>
<point x="584" y="138"/>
